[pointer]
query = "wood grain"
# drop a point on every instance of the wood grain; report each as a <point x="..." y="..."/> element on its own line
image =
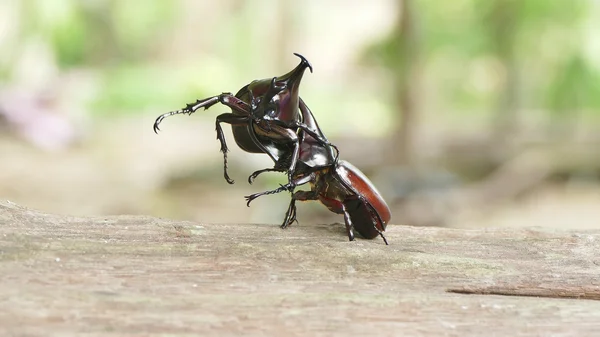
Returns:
<point x="143" y="276"/>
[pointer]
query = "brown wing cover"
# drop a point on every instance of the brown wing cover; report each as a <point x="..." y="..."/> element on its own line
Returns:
<point x="354" y="179"/>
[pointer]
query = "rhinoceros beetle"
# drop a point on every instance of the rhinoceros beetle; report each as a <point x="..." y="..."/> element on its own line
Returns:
<point x="265" y="118"/>
<point x="339" y="185"/>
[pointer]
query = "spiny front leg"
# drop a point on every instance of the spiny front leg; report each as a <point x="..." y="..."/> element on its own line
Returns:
<point x="224" y="149"/>
<point x="231" y="119"/>
<point x="189" y="109"/>
<point x="225" y="98"/>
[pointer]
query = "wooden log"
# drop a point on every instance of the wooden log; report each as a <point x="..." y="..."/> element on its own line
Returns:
<point x="138" y="275"/>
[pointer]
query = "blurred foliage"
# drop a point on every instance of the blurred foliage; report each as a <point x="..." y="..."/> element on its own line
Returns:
<point x="467" y="42"/>
<point x="98" y="32"/>
<point x="469" y="46"/>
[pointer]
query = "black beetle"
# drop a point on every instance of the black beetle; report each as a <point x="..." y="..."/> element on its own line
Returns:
<point x="339" y="185"/>
<point x="265" y="118"/>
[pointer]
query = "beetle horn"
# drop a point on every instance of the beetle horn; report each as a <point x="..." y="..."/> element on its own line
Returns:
<point x="304" y="61"/>
<point x="293" y="77"/>
<point x="287" y="89"/>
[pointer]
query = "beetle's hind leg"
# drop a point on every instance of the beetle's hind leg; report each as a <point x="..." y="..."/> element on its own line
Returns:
<point x="376" y="215"/>
<point x="348" y="222"/>
<point x="383" y="237"/>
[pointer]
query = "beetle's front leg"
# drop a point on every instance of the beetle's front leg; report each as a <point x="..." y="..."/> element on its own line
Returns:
<point x="232" y="119"/>
<point x="225" y="98"/>
<point x="288" y="135"/>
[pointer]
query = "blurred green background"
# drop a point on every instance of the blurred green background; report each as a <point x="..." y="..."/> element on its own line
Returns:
<point x="464" y="113"/>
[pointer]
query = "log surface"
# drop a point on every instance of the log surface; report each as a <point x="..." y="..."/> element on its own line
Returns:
<point x="134" y="275"/>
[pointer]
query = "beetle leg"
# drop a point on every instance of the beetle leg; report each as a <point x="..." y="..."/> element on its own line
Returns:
<point x="348" y="222"/>
<point x="256" y="173"/>
<point x="225" y="98"/>
<point x="287" y="187"/>
<point x="318" y="137"/>
<point x="383" y="237"/>
<point x="291" y="136"/>
<point x="189" y="109"/>
<point x="232" y="119"/>
<point x="290" y="215"/>
<point x="375" y="214"/>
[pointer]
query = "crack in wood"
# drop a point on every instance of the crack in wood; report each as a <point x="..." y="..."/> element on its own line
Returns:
<point x="580" y="293"/>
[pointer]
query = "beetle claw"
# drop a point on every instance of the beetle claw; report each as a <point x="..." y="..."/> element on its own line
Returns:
<point x="158" y="121"/>
<point x="290" y="216"/>
<point x="250" y="198"/>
